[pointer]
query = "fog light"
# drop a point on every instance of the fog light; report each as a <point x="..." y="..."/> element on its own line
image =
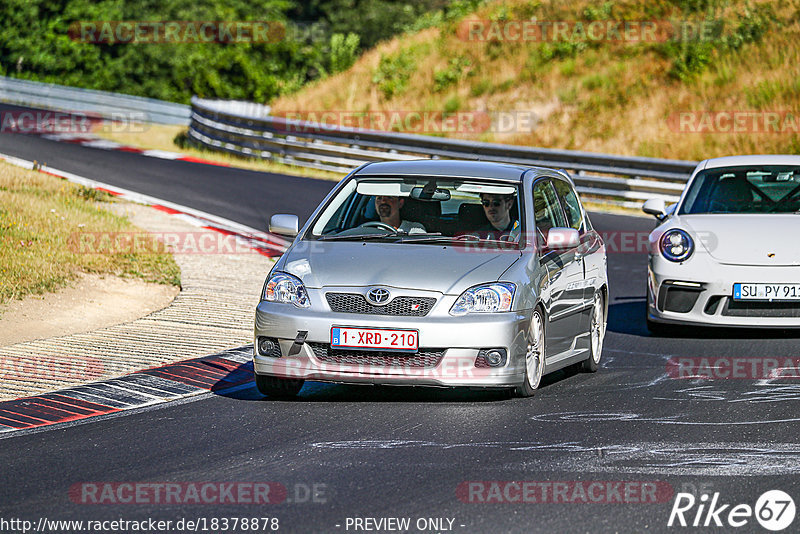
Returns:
<point x="491" y="358"/>
<point x="494" y="358"/>
<point x="268" y="346"/>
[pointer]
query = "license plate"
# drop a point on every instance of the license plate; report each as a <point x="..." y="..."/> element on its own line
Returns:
<point x="374" y="338"/>
<point x="766" y="291"/>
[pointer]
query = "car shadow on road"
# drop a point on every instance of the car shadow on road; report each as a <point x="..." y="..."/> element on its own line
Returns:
<point x="325" y="392"/>
<point x="627" y="316"/>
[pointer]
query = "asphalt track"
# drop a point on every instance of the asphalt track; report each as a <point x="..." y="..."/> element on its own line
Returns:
<point x="405" y="452"/>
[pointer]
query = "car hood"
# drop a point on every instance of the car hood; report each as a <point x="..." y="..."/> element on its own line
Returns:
<point x="449" y="270"/>
<point x="757" y="239"/>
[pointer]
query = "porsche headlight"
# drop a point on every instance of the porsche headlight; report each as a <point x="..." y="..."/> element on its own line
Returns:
<point x="283" y="287"/>
<point x="676" y="245"/>
<point x="486" y="298"/>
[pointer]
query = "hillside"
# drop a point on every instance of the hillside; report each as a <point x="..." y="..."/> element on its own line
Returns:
<point x="732" y="87"/>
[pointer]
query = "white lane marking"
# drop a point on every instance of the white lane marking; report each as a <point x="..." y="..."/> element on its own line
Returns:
<point x="102" y="144"/>
<point x="64" y="136"/>
<point x="597" y="417"/>
<point x="163" y="154"/>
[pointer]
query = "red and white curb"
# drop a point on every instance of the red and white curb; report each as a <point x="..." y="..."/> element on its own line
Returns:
<point x="262" y="242"/>
<point x="92" y="141"/>
<point x="220" y="373"/>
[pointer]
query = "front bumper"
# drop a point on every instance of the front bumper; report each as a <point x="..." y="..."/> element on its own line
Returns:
<point x="714" y="304"/>
<point x="457" y="339"/>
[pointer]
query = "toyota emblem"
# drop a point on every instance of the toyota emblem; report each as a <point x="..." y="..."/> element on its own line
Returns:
<point x="378" y="296"/>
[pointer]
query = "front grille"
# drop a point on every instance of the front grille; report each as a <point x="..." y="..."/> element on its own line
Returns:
<point x="356" y="303"/>
<point x="738" y="308"/>
<point x="385" y="358"/>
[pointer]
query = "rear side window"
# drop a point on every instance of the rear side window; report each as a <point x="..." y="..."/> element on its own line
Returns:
<point x="572" y="206"/>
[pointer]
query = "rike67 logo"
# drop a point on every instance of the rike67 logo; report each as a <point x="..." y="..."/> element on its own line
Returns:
<point x="774" y="510"/>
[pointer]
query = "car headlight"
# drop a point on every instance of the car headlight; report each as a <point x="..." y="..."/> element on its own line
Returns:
<point x="486" y="298"/>
<point x="283" y="287"/>
<point x="676" y="245"/>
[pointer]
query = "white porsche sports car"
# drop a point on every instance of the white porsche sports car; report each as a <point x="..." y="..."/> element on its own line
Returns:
<point x="728" y="253"/>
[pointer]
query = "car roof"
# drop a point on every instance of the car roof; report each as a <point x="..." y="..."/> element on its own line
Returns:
<point x="734" y="161"/>
<point x="451" y="168"/>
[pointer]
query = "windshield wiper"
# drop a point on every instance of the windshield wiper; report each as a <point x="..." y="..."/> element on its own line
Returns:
<point x="425" y="237"/>
<point x="361" y="237"/>
<point x="462" y="239"/>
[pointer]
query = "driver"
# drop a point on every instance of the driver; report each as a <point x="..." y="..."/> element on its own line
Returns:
<point x="497" y="209"/>
<point x="388" y="208"/>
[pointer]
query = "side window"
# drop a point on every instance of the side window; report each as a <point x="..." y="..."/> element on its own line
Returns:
<point x="546" y="209"/>
<point x="572" y="206"/>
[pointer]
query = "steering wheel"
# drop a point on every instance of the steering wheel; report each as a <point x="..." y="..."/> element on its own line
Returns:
<point x="381" y="225"/>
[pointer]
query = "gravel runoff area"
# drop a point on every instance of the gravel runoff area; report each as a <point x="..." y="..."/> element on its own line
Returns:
<point x="213" y="311"/>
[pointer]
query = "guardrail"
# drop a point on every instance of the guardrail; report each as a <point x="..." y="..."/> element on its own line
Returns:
<point x="89" y="101"/>
<point x="621" y="180"/>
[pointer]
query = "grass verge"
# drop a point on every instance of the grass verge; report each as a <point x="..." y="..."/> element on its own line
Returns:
<point x="40" y="219"/>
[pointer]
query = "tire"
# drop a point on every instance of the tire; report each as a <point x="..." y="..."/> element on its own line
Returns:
<point x="279" y="388"/>
<point x="534" y="370"/>
<point x="597" y="334"/>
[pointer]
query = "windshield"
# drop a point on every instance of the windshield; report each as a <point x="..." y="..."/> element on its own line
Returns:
<point x="421" y="210"/>
<point x="764" y="189"/>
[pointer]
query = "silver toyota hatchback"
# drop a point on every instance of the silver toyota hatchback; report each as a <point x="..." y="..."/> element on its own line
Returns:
<point x="435" y="273"/>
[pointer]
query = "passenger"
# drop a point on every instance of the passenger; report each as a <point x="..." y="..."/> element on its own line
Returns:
<point x="388" y="208"/>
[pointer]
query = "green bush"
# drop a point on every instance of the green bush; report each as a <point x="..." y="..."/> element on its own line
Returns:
<point x="393" y="73"/>
<point x="688" y="58"/>
<point x="344" y="51"/>
<point x="452" y="104"/>
<point x="456" y="70"/>
<point x="482" y="87"/>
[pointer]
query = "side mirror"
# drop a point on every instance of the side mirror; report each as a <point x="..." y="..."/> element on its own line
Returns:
<point x="562" y="238"/>
<point x="656" y="207"/>
<point x="284" y="224"/>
